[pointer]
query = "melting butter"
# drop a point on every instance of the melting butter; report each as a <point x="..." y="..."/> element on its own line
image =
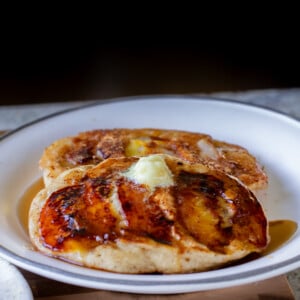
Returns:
<point x="151" y="171"/>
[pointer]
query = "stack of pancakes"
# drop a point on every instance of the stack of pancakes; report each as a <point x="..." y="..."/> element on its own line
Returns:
<point x="149" y="200"/>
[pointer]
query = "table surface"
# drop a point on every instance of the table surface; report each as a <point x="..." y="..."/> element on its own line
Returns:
<point x="286" y="101"/>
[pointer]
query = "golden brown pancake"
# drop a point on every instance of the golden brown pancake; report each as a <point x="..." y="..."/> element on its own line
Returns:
<point x="147" y="214"/>
<point x="92" y="147"/>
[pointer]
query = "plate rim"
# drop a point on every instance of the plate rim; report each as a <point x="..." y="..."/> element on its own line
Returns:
<point x="131" y="285"/>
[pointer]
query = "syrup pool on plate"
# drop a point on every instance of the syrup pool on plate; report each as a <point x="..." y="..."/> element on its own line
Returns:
<point x="25" y="201"/>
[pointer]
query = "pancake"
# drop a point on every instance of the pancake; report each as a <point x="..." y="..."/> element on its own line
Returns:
<point x="155" y="213"/>
<point x="92" y="147"/>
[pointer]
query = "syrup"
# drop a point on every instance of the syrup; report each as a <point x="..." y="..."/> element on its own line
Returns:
<point x="25" y="202"/>
<point x="280" y="232"/>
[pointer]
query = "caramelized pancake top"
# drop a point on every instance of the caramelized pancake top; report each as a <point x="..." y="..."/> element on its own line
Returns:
<point x="95" y="146"/>
<point x="106" y="204"/>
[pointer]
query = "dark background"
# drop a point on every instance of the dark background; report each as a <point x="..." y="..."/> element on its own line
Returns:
<point x="47" y="70"/>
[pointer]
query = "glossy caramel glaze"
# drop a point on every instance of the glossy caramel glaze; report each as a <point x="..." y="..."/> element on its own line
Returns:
<point x="204" y="205"/>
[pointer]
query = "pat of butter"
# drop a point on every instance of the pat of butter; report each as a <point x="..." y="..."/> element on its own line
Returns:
<point x="151" y="171"/>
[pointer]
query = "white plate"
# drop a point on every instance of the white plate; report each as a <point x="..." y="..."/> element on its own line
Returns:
<point x="13" y="286"/>
<point x="272" y="137"/>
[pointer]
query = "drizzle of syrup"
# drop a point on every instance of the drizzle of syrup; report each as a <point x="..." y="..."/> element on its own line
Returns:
<point x="280" y="231"/>
<point x="25" y="202"/>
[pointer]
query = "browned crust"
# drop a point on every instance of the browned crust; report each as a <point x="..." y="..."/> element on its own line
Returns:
<point x="91" y="147"/>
